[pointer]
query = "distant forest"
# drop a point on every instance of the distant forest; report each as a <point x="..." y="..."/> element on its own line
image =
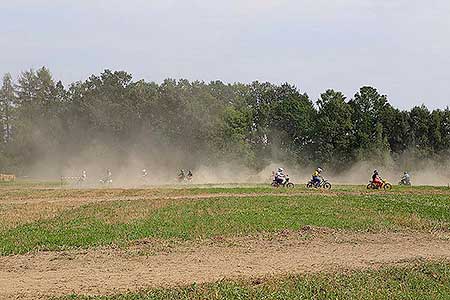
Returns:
<point x="112" y="116"/>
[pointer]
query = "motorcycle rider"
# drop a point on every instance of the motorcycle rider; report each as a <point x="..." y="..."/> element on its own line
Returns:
<point x="108" y="176"/>
<point x="316" y="177"/>
<point x="376" y="179"/>
<point x="144" y="173"/>
<point x="280" y="177"/>
<point x="406" y="179"/>
<point x="181" y="175"/>
<point x="82" y="178"/>
<point x="83" y="175"/>
<point x="189" y="174"/>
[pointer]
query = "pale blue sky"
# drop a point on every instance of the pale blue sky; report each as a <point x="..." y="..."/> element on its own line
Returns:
<point x="401" y="47"/>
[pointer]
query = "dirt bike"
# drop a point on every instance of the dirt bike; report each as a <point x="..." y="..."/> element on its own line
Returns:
<point x="384" y="185"/>
<point x="322" y="184"/>
<point x="106" y="181"/>
<point x="285" y="183"/>
<point x="404" y="182"/>
<point x="184" y="178"/>
<point x="80" y="181"/>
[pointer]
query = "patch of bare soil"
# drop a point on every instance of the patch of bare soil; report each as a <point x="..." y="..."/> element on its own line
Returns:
<point x="151" y="263"/>
<point x="76" y="198"/>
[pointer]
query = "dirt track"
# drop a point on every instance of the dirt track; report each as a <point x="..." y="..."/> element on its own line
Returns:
<point x="147" y="195"/>
<point x="109" y="271"/>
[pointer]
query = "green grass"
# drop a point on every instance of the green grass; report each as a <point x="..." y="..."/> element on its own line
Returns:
<point x="48" y="191"/>
<point x="422" y="281"/>
<point x="119" y="222"/>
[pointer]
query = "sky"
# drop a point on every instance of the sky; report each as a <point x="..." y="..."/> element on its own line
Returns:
<point x="401" y="47"/>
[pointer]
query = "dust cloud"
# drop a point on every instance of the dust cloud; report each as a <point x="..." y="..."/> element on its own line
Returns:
<point x="163" y="164"/>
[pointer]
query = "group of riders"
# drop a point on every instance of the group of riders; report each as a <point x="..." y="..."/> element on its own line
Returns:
<point x="282" y="179"/>
<point x="279" y="178"/>
<point x="377" y="181"/>
<point x="183" y="175"/>
<point x="317" y="180"/>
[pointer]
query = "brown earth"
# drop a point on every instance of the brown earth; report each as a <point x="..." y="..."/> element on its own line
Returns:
<point x="82" y="199"/>
<point x="152" y="263"/>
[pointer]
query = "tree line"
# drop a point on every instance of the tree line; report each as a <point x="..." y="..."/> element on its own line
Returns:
<point x="111" y="115"/>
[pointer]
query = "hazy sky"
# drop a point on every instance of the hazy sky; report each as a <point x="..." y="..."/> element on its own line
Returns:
<point x="402" y="47"/>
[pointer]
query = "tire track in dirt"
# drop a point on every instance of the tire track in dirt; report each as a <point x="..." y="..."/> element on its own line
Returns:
<point x="106" y="271"/>
<point x="94" y="199"/>
<point x="150" y="197"/>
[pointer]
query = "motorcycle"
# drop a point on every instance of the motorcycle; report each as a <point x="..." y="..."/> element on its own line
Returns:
<point x="108" y="178"/>
<point x="404" y="182"/>
<point x="285" y="183"/>
<point x="322" y="184"/>
<point x="106" y="181"/>
<point x="184" y="178"/>
<point x="384" y="185"/>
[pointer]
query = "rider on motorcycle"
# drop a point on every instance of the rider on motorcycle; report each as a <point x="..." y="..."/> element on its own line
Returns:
<point x="83" y="175"/>
<point x="181" y="175"/>
<point x="280" y="177"/>
<point x="406" y="179"/>
<point x="376" y="179"/>
<point x="108" y="177"/>
<point x="316" y="177"/>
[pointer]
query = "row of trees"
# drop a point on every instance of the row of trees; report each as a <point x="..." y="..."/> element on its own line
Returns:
<point x="110" y="116"/>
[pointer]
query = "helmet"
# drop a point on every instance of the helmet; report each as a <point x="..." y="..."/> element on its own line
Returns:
<point x="375" y="171"/>
<point x="406" y="172"/>
<point x="280" y="169"/>
<point x="319" y="169"/>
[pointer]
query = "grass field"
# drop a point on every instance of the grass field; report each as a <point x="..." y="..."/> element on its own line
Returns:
<point x="40" y="217"/>
<point x="201" y="213"/>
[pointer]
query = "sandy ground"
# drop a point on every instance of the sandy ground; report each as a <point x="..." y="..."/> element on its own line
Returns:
<point x="159" y="264"/>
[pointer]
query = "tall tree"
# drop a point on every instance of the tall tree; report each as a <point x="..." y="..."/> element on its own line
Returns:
<point x="368" y="108"/>
<point x="7" y="101"/>
<point x="333" y="130"/>
<point x="291" y="123"/>
<point x="419" y="120"/>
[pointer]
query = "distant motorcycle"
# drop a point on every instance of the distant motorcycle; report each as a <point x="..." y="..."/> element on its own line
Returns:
<point x="404" y="181"/>
<point x="384" y="185"/>
<point x="184" y="178"/>
<point x="108" y="178"/>
<point x="106" y="181"/>
<point x="285" y="183"/>
<point x="322" y="184"/>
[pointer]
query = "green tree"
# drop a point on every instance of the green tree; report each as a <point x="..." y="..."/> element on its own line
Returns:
<point x="419" y="121"/>
<point x="7" y="101"/>
<point x="291" y="124"/>
<point x="333" y="132"/>
<point x="435" y="132"/>
<point x="37" y="121"/>
<point x="368" y="108"/>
